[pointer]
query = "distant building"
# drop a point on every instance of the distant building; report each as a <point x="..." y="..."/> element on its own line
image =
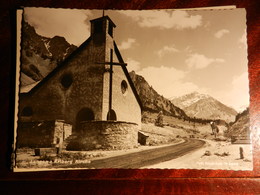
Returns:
<point x="92" y="84"/>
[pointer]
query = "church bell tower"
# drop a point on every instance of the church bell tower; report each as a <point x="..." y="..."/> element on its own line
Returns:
<point x="102" y="36"/>
<point x="102" y="25"/>
<point x="102" y="29"/>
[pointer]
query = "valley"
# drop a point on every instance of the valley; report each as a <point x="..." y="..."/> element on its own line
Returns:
<point x="172" y="146"/>
<point x="186" y="119"/>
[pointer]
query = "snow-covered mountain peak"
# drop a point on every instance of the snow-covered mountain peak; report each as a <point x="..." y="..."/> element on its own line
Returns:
<point x="204" y="106"/>
<point x="189" y="99"/>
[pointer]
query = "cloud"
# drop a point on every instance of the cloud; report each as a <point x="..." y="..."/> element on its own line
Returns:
<point x="188" y="49"/>
<point x="221" y="33"/>
<point x="69" y="23"/>
<point x="181" y="88"/>
<point x="132" y="65"/>
<point x="238" y="96"/>
<point x="165" y="19"/>
<point x="240" y="91"/>
<point x="207" y="25"/>
<point x="243" y="39"/>
<point x="127" y="44"/>
<point x="167" y="81"/>
<point x="167" y="50"/>
<point x="199" y="61"/>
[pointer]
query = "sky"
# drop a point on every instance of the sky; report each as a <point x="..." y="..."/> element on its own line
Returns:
<point x="176" y="51"/>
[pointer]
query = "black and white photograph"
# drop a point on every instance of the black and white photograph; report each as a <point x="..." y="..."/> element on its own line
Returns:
<point x="132" y="89"/>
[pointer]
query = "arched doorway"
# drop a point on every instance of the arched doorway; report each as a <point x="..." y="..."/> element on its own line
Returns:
<point x="85" y="114"/>
<point x="27" y="111"/>
<point x="111" y="115"/>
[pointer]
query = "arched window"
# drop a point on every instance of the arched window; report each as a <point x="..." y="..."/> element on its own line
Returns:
<point x="27" y="111"/>
<point x="66" y="80"/>
<point x="111" y="115"/>
<point x="85" y="114"/>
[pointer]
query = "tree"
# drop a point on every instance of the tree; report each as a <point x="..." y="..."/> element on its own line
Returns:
<point x="214" y="128"/>
<point x="145" y="118"/>
<point x="159" y="120"/>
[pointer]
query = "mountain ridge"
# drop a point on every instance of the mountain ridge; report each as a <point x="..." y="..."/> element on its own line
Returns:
<point x="40" y="55"/>
<point x="152" y="101"/>
<point x="204" y="106"/>
<point x="241" y="125"/>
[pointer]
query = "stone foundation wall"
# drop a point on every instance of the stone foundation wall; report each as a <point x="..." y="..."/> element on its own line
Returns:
<point x="42" y="133"/>
<point x="106" y="135"/>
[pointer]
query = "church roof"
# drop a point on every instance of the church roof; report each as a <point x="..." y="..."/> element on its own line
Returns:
<point x="102" y="18"/>
<point x="32" y="88"/>
<point x="127" y="75"/>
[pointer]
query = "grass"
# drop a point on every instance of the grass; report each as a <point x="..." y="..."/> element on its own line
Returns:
<point x="174" y="122"/>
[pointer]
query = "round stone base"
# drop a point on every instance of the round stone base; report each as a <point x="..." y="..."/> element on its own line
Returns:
<point x="105" y="135"/>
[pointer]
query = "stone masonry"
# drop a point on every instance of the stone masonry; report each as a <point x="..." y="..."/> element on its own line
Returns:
<point x="42" y="133"/>
<point x="106" y="135"/>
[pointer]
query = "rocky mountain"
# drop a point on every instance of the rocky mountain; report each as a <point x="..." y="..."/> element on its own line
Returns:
<point x="40" y="55"/>
<point x="204" y="106"/>
<point x="240" y="126"/>
<point x="152" y="101"/>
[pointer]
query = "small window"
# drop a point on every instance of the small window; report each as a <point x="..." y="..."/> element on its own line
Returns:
<point x="27" y="111"/>
<point x="124" y="87"/>
<point x="98" y="26"/>
<point x="66" y="80"/>
<point x="110" y="29"/>
<point x="111" y="115"/>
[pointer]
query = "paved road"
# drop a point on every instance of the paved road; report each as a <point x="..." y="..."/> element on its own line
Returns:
<point x="146" y="157"/>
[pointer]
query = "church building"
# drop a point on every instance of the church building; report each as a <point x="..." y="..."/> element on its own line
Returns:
<point x="91" y="90"/>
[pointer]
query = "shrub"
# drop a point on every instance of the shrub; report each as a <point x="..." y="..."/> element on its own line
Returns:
<point x="47" y="157"/>
<point x="159" y="120"/>
<point x="73" y="156"/>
